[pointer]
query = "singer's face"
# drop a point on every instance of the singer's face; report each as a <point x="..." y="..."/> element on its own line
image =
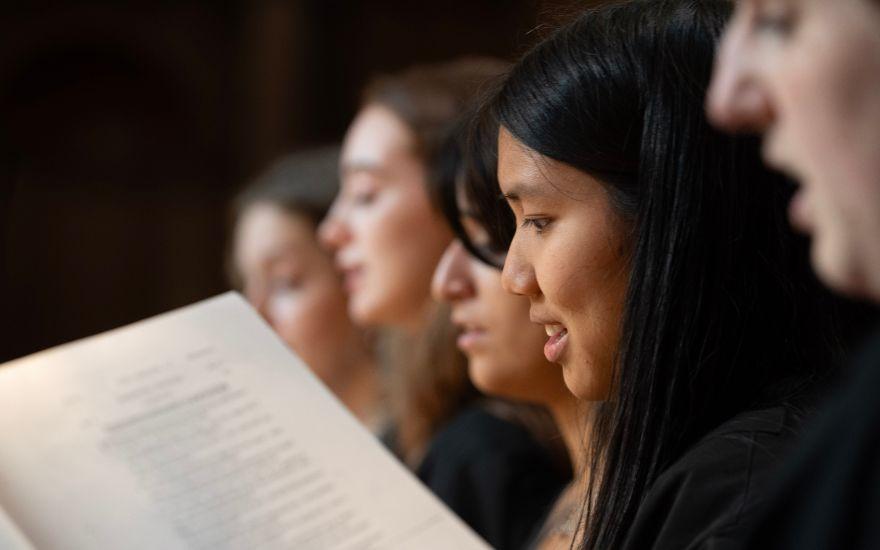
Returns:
<point x="505" y="350"/>
<point x="291" y="281"/>
<point x="806" y="73"/>
<point x="568" y="256"/>
<point x="385" y="235"/>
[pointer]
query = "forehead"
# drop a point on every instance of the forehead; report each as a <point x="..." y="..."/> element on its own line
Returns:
<point x="376" y="136"/>
<point x="523" y="173"/>
<point x="265" y="231"/>
<point x="516" y="162"/>
<point x="805" y="7"/>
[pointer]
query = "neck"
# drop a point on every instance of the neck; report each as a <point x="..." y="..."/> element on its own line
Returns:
<point x="574" y="425"/>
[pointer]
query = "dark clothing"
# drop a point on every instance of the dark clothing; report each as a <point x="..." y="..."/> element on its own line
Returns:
<point x="494" y="475"/>
<point x="707" y="499"/>
<point x="829" y="495"/>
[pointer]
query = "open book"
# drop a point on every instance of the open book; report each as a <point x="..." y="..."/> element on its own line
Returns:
<point x="198" y="429"/>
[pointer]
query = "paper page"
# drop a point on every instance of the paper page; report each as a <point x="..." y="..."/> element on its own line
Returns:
<point x="199" y="429"/>
<point x="11" y="538"/>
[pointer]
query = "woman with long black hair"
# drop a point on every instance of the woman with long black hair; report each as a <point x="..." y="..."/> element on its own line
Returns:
<point x="655" y="252"/>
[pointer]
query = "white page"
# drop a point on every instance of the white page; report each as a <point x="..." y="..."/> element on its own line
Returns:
<point x="11" y="538"/>
<point x="199" y="429"/>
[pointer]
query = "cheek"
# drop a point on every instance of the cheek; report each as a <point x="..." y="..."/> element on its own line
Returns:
<point x="406" y="245"/>
<point x="527" y="349"/>
<point x="514" y="366"/>
<point x="582" y="271"/>
<point x="826" y="89"/>
<point x="309" y="317"/>
<point x="590" y="290"/>
<point x="808" y="114"/>
<point x="391" y="231"/>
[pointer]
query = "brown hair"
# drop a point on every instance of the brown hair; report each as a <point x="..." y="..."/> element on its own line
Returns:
<point x="430" y="98"/>
<point x="302" y="184"/>
<point x="428" y="382"/>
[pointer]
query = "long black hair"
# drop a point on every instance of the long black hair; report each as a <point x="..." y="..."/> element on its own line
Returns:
<point x="722" y="313"/>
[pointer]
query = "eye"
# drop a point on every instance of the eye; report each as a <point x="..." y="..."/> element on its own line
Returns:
<point x="364" y="197"/>
<point x="778" y="21"/>
<point x="359" y="190"/>
<point x="285" y="285"/>
<point x="539" y="224"/>
<point x="776" y="25"/>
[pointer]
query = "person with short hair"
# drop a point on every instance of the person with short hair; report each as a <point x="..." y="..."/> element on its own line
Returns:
<point x="278" y="264"/>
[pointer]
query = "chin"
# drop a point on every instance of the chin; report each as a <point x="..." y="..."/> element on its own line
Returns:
<point x="575" y="386"/>
<point x="484" y="377"/>
<point x="480" y="376"/>
<point x="361" y="313"/>
<point x="836" y="268"/>
<point x="585" y="388"/>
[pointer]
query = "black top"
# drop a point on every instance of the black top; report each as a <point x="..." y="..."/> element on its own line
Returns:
<point x="494" y="475"/>
<point x="829" y="495"/>
<point x="708" y="498"/>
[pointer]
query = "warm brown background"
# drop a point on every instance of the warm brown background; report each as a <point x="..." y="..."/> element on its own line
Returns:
<point x="126" y="126"/>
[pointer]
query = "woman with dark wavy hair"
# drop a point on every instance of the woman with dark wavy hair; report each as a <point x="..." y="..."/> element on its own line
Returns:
<point x="655" y="252"/>
<point x="504" y="349"/>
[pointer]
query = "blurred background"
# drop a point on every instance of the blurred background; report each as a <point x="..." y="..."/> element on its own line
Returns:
<point x="126" y="127"/>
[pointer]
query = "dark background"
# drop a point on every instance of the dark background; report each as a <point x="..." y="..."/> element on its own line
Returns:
<point x="125" y="128"/>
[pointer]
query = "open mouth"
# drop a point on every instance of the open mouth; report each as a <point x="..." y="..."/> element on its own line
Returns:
<point x="556" y="343"/>
<point x="351" y="278"/>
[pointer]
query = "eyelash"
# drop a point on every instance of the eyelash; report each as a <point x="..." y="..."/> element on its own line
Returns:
<point x="539" y="224"/>
<point x="778" y="23"/>
<point x="287" y="281"/>
<point x="363" y="198"/>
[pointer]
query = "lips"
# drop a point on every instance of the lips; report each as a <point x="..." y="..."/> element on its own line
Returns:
<point x="556" y="343"/>
<point x="471" y="339"/>
<point x="472" y="335"/>
<point x="352" y="277"/>
<point x="800" y="211"/>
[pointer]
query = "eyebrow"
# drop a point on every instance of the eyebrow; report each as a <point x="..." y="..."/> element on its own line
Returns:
<point x="521" y="189"/>
<point x="360" y="166"/>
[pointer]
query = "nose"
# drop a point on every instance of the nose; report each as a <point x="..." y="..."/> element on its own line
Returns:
<point x="334" y="232"/>
<point x="518" y="275"/>
<point x="737" y="98"/>
<point x="452" y="278"/>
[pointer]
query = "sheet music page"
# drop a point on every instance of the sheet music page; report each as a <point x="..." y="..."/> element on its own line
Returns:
<point x="11" y="538"/>
<point x="199" y="429"/>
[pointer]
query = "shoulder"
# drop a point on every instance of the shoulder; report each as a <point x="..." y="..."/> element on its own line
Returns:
<point x="477" y="437"/>
<point x="740" y="445"/>
<point x="493" y="474"/>
<point x="708" y="495"/>
<point x="829" y="492"/>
